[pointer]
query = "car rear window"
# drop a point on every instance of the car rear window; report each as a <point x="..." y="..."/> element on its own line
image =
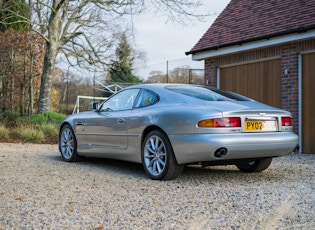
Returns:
<point x="206" y="93"/>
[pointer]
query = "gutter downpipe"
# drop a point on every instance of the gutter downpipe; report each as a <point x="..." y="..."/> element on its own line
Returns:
<point x="300" y="100"/>
<point x="218" y="77"/>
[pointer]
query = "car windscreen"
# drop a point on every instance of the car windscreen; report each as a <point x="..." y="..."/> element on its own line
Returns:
<point x="205" y="93"/>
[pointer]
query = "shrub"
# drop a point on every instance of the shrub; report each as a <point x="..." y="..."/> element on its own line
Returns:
<point x="54" y="118"/>
<point x="40" y="119"/>
<point x="9" y="119"/>
<point x="4" y="134"/>
<point x="32" y="135"/>
<point x="37" y="128"/>
<point x="49" y="129"/>
<point x="15" y="134"/>
<point x="51" y="132"/>
<point x="36" y="119"/>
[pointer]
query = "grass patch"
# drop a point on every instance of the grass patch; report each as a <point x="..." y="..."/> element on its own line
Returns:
<point x="51" y="132"/>
<point x="15" y="134"/>
<point x="4" y="134"/>
<point x="32" y="135"/>
<point x="38" y="128"/>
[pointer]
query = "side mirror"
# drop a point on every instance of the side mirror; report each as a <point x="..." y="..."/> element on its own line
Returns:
<point x="94" y="105"/>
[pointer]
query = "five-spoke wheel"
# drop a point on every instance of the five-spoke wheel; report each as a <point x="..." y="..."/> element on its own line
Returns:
<point x="158" y="157"/>
<point x="68" y="144"/>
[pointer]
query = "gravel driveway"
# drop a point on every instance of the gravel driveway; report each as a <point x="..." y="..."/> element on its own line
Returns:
<point x="39" y="191"/>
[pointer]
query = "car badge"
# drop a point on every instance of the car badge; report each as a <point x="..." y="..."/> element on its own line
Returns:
<point x="262" y="114"/>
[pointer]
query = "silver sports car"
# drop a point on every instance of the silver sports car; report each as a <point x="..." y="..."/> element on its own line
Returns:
<point x="167" y="126"/>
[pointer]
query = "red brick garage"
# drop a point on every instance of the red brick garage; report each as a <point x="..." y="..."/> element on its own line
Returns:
<point x="266" y="50"/>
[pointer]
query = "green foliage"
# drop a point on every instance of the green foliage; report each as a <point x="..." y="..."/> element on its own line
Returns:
<point x="121" y="69"/>
<point x="9" y="119"/>
<point x="54" y="117"/>
<point x="13" y="14"/>
<point x="36" y="119"/>
<point x="45" y="118"/>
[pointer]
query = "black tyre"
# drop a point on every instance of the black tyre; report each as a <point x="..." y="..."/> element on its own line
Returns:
<point x="68" y="145"/>
<point x="158" y="157"/>
<point x="258" y="165"/>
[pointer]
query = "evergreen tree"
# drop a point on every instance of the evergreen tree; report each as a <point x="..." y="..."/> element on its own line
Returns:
<point x="13" y="14"/>
<point x="120" y="69"/>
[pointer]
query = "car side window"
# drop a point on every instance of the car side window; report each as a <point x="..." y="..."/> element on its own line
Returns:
<point x="147" y="98"/>
<point x="123" y="100"/>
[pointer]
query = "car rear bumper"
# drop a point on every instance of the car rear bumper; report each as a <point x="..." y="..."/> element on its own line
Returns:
<point x="191" y="148"/>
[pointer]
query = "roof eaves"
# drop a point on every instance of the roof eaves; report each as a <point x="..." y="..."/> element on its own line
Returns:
<point x="301" y="29"/>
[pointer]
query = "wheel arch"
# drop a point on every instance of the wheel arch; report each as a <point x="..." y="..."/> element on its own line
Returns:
<point x="151" y="128"/>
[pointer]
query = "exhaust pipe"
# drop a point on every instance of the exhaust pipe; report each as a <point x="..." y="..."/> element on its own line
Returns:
<point x="221" y="152"/>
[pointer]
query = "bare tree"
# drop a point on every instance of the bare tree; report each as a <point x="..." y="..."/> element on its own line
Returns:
<point x="20" y="68"/>
<point x="83" y="31"/>
<point x="157" y="76"/>
<point x="180" y="74"/>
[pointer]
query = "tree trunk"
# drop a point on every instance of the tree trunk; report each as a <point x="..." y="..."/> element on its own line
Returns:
<point x="23" y="85"/>
<point x="31" y="96"/>
<point x="22" y="96"/>
<point x="12" y="57"/>
<point x="3" y="86"/>
<point x="46" y="79"/>
<point x="52" y="49"/>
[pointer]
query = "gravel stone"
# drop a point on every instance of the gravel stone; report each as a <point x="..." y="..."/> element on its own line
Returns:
<point x="40" y="191"/>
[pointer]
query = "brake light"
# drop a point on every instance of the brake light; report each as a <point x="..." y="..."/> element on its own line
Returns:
<point x="225" y="122"/>
<point x="286" y="121"/>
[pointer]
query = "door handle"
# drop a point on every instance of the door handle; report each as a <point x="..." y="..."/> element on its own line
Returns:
<point x="121" y="120"/>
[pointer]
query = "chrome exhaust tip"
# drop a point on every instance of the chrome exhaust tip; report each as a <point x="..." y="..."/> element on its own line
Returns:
<point x="221" y="152"/>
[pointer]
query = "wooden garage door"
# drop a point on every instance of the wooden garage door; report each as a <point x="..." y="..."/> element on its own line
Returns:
<point x="260" y="81"/>
<point x="308" y="105"/>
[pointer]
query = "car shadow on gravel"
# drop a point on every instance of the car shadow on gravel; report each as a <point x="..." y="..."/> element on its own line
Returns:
<point x="109" y="166"/>
<point x="231" y="173"/>
<point x="135" y="170"/>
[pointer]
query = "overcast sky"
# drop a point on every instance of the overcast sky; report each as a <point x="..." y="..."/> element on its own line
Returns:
<point x="163" y="41"/>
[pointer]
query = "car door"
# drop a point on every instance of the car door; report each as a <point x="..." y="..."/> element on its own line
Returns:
<point x="106" y="130"/>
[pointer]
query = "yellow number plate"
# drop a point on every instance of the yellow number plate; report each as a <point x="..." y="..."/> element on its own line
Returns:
<point x="260" y="126"/>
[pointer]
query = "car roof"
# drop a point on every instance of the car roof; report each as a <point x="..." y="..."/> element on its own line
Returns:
<point x="160" y="86"/>
<point x="155" y="85"/>
<point x="166" y="94"/>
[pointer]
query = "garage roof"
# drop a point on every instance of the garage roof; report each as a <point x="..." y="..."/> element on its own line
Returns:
<point x="251" y="20"/>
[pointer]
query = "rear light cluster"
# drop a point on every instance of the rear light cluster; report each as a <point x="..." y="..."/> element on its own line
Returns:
<point x="286" y="121"/>
<point x="233" y="122"/>
<point x="225" y="122"/>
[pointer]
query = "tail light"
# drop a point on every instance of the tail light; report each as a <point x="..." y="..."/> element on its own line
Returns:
<point x="225" y="122"/>
<point x="286" y="121"/>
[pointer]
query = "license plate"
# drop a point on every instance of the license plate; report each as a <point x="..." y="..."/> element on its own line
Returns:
<point x="260" y="126"/>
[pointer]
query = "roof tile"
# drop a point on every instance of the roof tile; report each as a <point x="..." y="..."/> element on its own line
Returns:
<point x="245" y="20"/>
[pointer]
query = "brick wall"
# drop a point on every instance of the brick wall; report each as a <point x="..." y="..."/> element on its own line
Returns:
<point x="289" y="60"/>
<point x="289" y="81"/>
